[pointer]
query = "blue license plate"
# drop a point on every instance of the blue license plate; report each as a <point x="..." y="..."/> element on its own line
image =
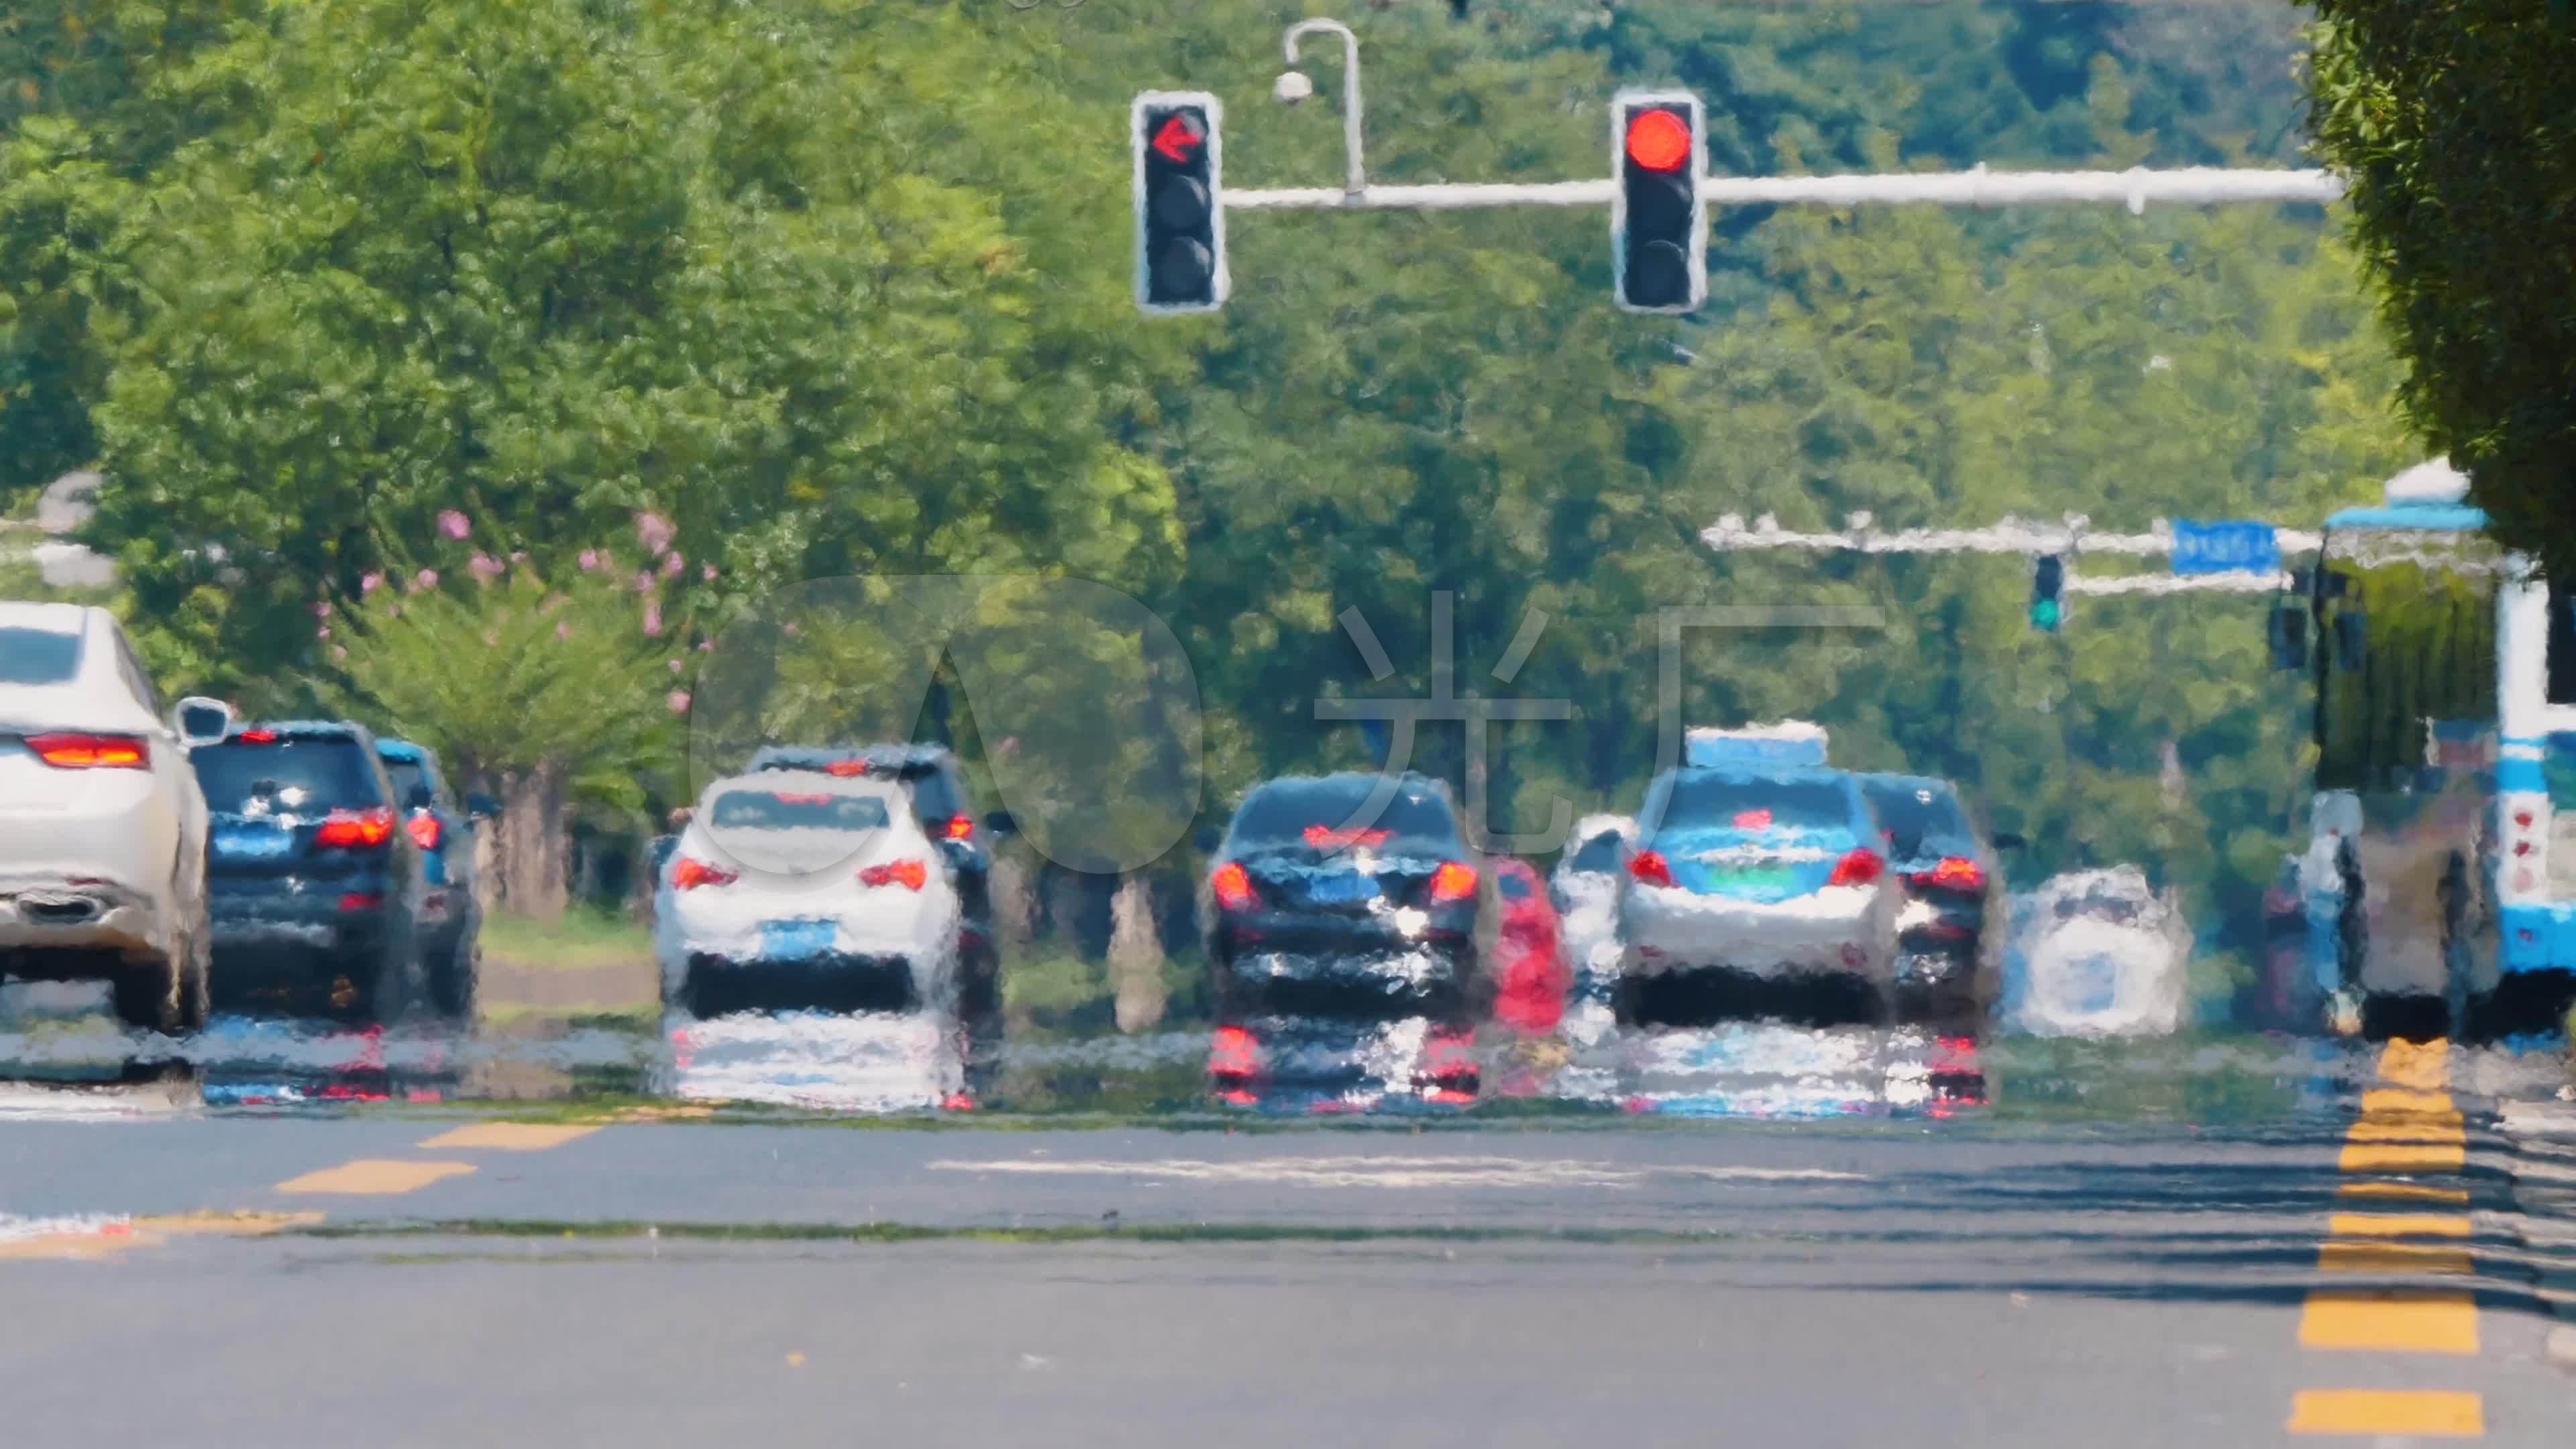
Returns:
<point x="796" y="940"/>
<point x="254" y="844"/>
<point x="1344" y="887"/>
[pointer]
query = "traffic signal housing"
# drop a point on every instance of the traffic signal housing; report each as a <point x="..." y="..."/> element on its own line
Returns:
<point x="2048" y="593"/>
<point x="1180" y="207"/>
<point x="1658" y="228"/>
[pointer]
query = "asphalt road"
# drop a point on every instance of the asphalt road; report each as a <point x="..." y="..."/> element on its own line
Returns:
<point x="2371" y="1270"/>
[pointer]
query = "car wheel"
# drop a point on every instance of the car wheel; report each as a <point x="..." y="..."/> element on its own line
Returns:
<point x="453" y="979"/>
<point x="146" y="993"/>
<point x="196" y="980"/>
<point x="383" y="984"/>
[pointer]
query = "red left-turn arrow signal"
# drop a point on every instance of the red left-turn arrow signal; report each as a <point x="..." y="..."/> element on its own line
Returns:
<point x="1178" y="138"/>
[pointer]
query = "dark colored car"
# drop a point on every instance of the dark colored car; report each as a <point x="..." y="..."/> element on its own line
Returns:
<point x="451" y="914"/>
<point x="1950" y="929"/>
<point x="1325" y="902"/>
<point x="932" y="780"/>
<point x="313" y="883"/>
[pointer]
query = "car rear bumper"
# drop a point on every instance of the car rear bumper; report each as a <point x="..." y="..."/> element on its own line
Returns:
<point x="80" y="912"/>
<point x="1839" y="929"/>
<point x="311" y="919"/>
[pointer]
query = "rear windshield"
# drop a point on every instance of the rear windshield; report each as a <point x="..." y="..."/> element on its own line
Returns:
<point x="794" y="810"/>
<point x="409" y="775"/>
<point x="38" y="656"/>
<point x="288" y="773"/>
<point x="932" y="796"/>
<point x="1913" y="814"/>
<point x="1755" y="804"/>
<point x="1599" y="855"/>
<point x="1314" y="812"/>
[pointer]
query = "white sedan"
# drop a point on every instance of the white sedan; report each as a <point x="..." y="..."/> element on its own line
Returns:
<point x="102" y="824"/>
<point x="808" y="885"/>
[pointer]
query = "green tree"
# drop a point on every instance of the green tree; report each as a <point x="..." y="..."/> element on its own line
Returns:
<point x="2450" y="120"/>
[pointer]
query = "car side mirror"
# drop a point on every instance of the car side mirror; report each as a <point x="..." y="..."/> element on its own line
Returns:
<point x="1208" y="840"/>
<point x="202" y="721"/>
<point x="482" y="807"/>
<point x="2009" y="841"/>
<point x="1001" y="823"/>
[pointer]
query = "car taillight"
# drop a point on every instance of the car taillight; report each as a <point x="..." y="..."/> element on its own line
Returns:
<point x="1232" y="1053"/>
<point x="846" y="768"/>
<point x="424" y="831"/>
<point x="90" y="752"/>
<point x="1649" y="868"/>
<point x="258" y="737"/>
<point x="1233" y="886"/>
<point x="907" y="873"/>
<point x="356" y="828"/>
<point x="361" y="900"/>
<point x="1449" y="1072"/>
<point x="1954" y="873"/>
<point x="687" y="872"/>
<point x="1452" y="882"/>
<point x="1859" y="866"/>
<point x="961" y="827"/>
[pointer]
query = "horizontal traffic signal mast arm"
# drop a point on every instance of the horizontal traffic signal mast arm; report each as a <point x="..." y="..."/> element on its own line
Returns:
<point x="2012" y="535"/>
<point x="2135" y="189"/>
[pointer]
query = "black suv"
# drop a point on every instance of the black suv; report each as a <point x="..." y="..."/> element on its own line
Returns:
<point x="931" y="779"/>
<point x="312" y="882"/>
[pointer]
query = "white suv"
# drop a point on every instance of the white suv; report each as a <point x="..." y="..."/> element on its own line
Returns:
<point x="102" y="826"/>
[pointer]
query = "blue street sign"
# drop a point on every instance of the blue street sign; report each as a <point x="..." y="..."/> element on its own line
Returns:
<point x="2218" y="548"/>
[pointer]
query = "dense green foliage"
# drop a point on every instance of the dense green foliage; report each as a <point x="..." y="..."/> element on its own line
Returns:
<point x="2451" y="119"/>
<point x="842" y="287"/>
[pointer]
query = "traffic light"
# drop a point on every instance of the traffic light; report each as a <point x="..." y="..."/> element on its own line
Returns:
<point x="1658" y="229"/>
<point x="1180" y="215"/>
<point x="2047" y="593"/>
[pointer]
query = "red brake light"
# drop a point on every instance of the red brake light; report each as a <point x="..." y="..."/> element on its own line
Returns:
<point x="908" y="873"/>
<point x="846" y="768"/>
<point x="1233" y="886"/>
<point x="1753" y="819"/>
<point x="960" y="826"/>
<point x="1954" y="873"/>
<point x="356" y="828"/>
<point x="1649" y="868"/>
<point x="1325" y="837"/>
<point x="259" y="737"/>
<point x="361" y="900"/>
<point x="90" y="752"/>
<point x="1453" y="881"/>
<point x="1859" y="866"/>
<point x="1658" y="140"/>
<point x="2522" y="818"/>
<point x="424" y="831"/>
<point x="1233" y="1053"/>
<point x="687" y="872"/>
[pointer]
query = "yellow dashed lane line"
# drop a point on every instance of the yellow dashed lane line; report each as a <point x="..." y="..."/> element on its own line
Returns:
<point x="375" y="1176"/>
<point x="2388" y="1411"/>
<point x="511" y="1136"/>
<point x="2407" y="1125"/>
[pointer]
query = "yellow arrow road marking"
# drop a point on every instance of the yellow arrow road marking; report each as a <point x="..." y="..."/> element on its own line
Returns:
<point x="375" y="1175"/>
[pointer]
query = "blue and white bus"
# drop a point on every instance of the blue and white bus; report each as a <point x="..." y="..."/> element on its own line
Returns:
<point x="2440" y="874"/>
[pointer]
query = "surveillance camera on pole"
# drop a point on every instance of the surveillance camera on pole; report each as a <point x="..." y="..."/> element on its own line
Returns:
<point x="1180" y="207"/>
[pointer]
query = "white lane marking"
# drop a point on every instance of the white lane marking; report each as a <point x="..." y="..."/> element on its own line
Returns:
<point x="1394" y="1172"/>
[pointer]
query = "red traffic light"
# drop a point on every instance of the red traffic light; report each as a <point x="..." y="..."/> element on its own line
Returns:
<point x="1178" y="138"/>
<point x="1658" y="140"/>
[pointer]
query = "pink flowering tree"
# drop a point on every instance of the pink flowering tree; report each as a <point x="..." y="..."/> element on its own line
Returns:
<point x="555" y="689"/>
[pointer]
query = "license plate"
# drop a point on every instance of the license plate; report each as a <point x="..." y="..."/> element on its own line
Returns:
<point x="796" y="940"/>
<point x="251" y="844"/>
<point x="1773" y="880"/>
<point x="1344" y="887"/>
